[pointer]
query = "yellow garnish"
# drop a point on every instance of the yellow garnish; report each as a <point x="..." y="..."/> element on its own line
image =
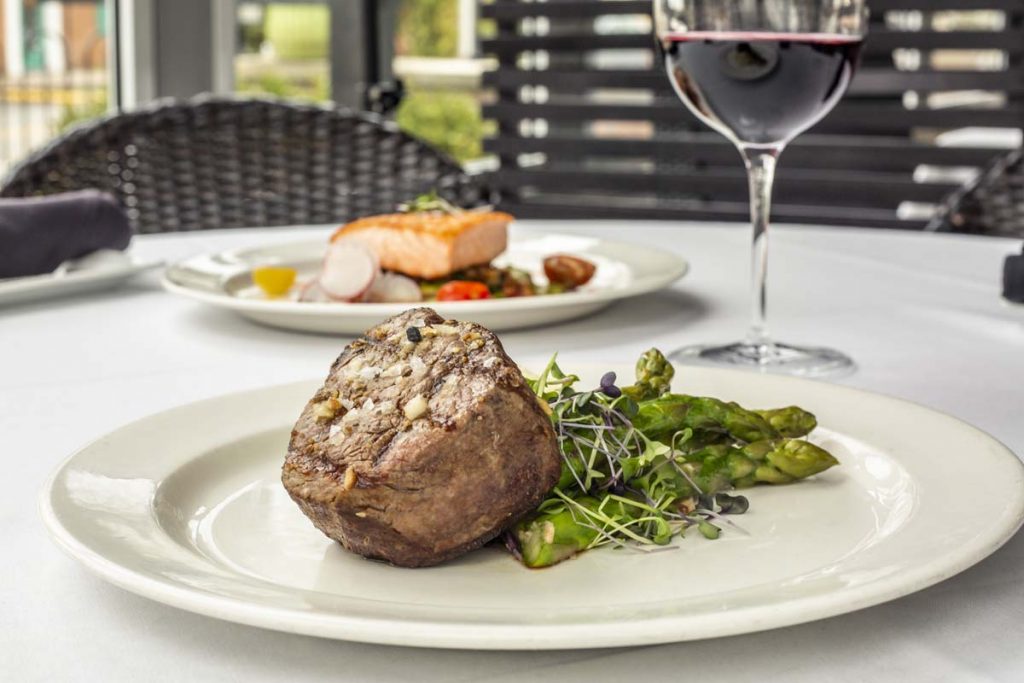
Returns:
<point x="274" y="280"/>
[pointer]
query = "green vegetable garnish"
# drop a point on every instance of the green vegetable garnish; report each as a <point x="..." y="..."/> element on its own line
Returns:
<point x="653" y="376"/>
<point x="708" y="530"/>
<point x="431" y="201"/>
<point x="641" y="465"/>
<point x="790" y="422"/>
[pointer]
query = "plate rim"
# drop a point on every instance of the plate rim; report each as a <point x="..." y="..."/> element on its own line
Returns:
<point x="47" y="281"/>
<point x="680" y="267"/>
<point x="478" y="636"/>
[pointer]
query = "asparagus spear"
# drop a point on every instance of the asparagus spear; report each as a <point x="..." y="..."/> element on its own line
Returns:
<point x="791" y="422"/>
<point x="663" y="417"/>
<point x="653" y="377"/>
<point x="709" y="471"/>
<point x="632" y="488"/>
<point x="783" y="461"/>
<point x="800" y="459"/>
<point x="556" y="535"/>
<point x="551" y="537"/>
<point x="721" y="467"/>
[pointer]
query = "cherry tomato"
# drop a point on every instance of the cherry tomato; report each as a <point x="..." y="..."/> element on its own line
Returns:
<point x="463" y="290"/>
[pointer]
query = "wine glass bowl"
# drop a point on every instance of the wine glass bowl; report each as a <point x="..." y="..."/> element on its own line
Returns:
<point x="761" y="72"/>
<point x="760" y="89"/>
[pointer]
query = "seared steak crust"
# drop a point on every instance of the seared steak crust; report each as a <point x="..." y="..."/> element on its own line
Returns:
<point x="423" y="443"/>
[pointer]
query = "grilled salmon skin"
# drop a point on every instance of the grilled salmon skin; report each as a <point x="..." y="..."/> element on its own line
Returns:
<point x="431" y="244"/>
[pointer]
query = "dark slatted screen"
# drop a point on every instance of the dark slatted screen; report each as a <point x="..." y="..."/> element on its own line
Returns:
<point x="588" y="125"/>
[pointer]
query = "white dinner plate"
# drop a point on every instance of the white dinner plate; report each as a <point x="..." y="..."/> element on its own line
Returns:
<point x="623" y="270"/>
<point x="186" y="507"/>
<point x="89" y="275"/>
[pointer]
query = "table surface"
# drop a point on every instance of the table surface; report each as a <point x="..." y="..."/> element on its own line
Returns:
<point x="920" y="313"/>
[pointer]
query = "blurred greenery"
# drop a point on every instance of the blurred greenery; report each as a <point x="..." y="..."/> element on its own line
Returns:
<point x="298" y="31"/>
<point x="427" y="28"/>
<point x="73" y="114"/>
<point x="450" y="121"/>
<point x="315" y="88"/>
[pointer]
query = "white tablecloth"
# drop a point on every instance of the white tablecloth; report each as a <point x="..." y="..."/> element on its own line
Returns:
<point x="921" y="314"/>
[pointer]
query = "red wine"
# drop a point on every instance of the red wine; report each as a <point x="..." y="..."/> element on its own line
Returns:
<point x="760" y="88"/>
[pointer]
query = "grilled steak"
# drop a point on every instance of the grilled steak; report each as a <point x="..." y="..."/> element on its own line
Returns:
<point x="423" y="443"/>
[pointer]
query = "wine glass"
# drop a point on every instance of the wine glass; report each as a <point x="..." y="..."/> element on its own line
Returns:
<point x="760" y="72"/>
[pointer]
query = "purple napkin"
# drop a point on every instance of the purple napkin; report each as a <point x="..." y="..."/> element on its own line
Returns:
<point x="40" y="233"/>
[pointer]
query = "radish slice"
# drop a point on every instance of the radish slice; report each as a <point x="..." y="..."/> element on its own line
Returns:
<point x="394" y="288"/>
<point x="313" y="293"/>
<point x="349" y="270"/>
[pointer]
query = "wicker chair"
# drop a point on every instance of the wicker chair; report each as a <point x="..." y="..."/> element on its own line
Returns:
<point x="993" y="204"/>
<point x="224" y="163"/>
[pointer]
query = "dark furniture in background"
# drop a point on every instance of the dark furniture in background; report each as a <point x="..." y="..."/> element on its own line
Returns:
<point x="993" y="204"/>
<point x="224" y="163"/>
<point x="589" y="127"/>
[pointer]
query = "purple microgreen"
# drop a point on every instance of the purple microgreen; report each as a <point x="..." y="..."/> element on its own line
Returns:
<point x="611" y="391"/>
<point x="512" y="544"/>
<point x="608" y="387"/>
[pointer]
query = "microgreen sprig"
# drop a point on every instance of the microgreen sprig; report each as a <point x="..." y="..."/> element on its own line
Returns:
<point x="618" y="486"/>
<point x="429" y="202"/>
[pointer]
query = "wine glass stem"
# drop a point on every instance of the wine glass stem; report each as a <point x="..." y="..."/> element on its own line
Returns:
<point x="760" y="163"/>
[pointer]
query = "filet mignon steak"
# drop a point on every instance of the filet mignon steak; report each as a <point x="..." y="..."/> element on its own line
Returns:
<point x="423" y="443"/>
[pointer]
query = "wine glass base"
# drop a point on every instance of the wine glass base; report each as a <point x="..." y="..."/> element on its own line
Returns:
<point x="768" y="357"/>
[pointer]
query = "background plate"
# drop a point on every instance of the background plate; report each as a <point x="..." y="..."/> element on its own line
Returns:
<point x="185" y="507"/>
<point x="37" y="287"/>
<point x="623" y="270"/>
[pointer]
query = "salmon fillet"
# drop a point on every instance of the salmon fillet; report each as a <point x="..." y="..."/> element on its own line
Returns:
<point x="430" y="244"/>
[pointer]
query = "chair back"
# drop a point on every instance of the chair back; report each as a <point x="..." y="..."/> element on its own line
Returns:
<point x="992" y="204"/>
<point x="225" y="163"/>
